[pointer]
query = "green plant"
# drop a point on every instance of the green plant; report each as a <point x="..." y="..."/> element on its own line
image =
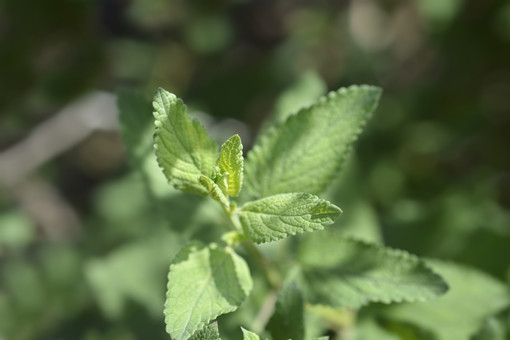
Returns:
<point x="301" y="287"/>
<point x="290" y="163"/>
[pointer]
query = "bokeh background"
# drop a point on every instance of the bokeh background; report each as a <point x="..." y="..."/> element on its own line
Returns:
<point x="82" y="253"/>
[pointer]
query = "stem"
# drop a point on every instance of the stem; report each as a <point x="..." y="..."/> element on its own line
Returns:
<point x="271" y="276"/>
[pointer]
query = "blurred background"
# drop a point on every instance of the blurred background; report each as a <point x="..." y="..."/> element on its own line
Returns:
<point x="83" y="254"/>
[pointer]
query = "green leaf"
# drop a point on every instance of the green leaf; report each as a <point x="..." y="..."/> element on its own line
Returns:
<point x="209" y="332"/>
<point x="368" y="328"/>
<point x="231" y="161"/>
<point x="287" y="320"/>
<point x="183" y="148"/>
<point x="203" y="283"/>
<point x="492" y="329"/>
<point x="276" y="217"/>
<point x="214" y="190"/>
<point x="348" y="273"/>
<point x="473" y="297"/>
<point x="247" y="335"/>
<point x="307" y="150"/>
<point x="304" y="92"/>
<point x="136" y="126"/>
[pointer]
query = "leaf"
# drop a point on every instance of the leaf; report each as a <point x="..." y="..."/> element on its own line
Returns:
<point x="368" y="328"/>
<point x="276" y="217"/>
<point x="304" y="92"/>
<point x="348" y="273"/>
<point x="492" y="329"/>
<point x="209" y="332"/>
<point x="132" y="274"/>
<point x="307" y="150"/>
<point x="287" y="320"/>
<point x="247" y="335"/>
<point x="214" y="190"/>
<point x="473" y="297"/>
<point x="184" y="150"/>
<point x="231" y="161"/>
<point x="136" y="126"/>
<point x="203" y="283"/>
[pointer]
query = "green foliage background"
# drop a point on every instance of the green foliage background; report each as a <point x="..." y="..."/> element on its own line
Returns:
<point x="430" y="174"/>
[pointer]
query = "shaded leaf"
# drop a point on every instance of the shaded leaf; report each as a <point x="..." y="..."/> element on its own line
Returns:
<point x="348" y="273"/>
<point x="287" y="320"/>
<point x="473" y="297"/>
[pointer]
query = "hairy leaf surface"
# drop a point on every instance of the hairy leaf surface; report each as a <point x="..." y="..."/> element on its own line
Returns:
<point x="203" y="283"/>
<point x="348" y="273"/>
<point x="231" y="161"/>
<point x="276" y="217"/>
<point x="183" y="148"/>
<point x="287" y="320"/>
<point x="209" y="332"/>
<point x="304" y="153"/>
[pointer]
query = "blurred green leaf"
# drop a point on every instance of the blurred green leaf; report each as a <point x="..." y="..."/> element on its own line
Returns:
<point x="287" y="320"/>
<point x="473" y="297"/>
<point x="304" y="92"/>
<point x="347" y="273"/>
<point x="16" y="229"/>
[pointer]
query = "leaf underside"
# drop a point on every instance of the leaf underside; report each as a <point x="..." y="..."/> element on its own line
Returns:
<point x="276" y="217"/>
<point x="306" y="151"/>
<point x="203" y="283"/>
<point x="184" y="150"/>
<point x="352" y="273"/>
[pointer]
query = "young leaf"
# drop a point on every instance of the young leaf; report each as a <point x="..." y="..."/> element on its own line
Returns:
<point x="209" y="332"/>
<point x="473" y="297"/>
<point x="305" y="152"/>
<point x="214" y="190"/>
<point x="183" y="148"/>
<point x="276" y="217"/>
<point x="203" y="283"/>
<point x="247" y="335"/>
<point x="287" y="321"/>
<point x="351" y="273"/>
<point x="231" y="161"/>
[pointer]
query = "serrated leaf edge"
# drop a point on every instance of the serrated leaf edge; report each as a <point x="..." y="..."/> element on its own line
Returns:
<point x="201" y="324"/>
<point x="274" y="130"/>
<point x="266" y="239"/>
<point x="404" y="255"/>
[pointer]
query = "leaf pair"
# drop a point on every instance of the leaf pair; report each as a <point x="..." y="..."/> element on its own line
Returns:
<point x="187" y="154"/>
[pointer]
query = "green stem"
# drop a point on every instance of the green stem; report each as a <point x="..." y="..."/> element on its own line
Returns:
<point x="271" y="276"/>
